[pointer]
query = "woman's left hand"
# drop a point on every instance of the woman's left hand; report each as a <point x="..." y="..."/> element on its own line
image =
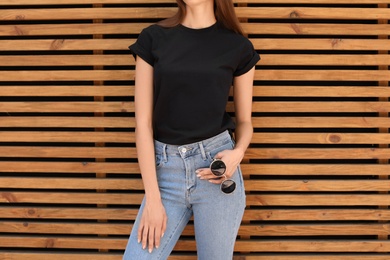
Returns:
<point x="231" y="158"/>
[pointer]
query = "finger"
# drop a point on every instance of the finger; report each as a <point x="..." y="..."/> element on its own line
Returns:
<point x="219" y="155"/>
<point x="216" y="181"/>
<point x="164" y="226"/>
<point x="157" y="237"/>
<point x="145" y="237"/>
<point x="140" y="230"/>
<point x="151" y="239"/>
<point x="205" y="175"/>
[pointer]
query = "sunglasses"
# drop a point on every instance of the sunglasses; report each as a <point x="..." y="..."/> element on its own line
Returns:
<point x="218" y="168"/>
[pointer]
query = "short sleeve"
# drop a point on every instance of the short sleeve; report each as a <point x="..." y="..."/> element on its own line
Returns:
<point x="143" y="46"/>
<point x="249" y="57"/>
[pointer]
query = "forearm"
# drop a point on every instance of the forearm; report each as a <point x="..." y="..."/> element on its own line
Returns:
<point x="243" y="137"/>
<point x="146" y="161"/>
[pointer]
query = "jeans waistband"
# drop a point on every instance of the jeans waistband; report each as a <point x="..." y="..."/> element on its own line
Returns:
<point x="194" y="148"/>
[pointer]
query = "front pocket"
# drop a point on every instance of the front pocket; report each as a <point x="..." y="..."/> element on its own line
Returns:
<point x="212" y="153"/>
<point x="159" y="161"/>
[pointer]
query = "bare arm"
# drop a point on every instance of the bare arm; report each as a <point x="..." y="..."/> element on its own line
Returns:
<point x="243" y="91"/>
<point x="153" y="220"/>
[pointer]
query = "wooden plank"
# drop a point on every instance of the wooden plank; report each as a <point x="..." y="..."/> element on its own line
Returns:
<point x="86" y="13"/>
<point x="317" y="185"/>
<point x="313" y="246"/>
<point x="316" y="29"/>
<point x="29" y="227"/>
<point x="71" y="29"/>
<point x="73" y="2"/>
<point x="189" y="245"/>
<point x="68" y="60"/>
<point x="81" y="137"/>
<point x="267" y="60"/>
<point x="318" y="107"/>
<point x="300" y="75"/>
<point x="70" y="198"/>
<point x="317" y="153"/>
<point x="322" y="75"/>
<point x="252" y="200"/>
<point x="40" y="183"/>
<point x="317" y="214"/>
<point x="21" y="255"/>
<point x="66" y="121"/>
<point x="320" y="122"/>
<point x="252" y="153"/>
<point x="61" y="75"/>
<point x="69" y="167"/>
<point x="176" y="256"/>
<point x="250" y="28"/>
<point x="306" y="106"/>
<point x="73" y="107"/>
<point x="265" y="138"/>
<point x="64" y="44"/>
<point x="323" y="60"/>
<point x="339" y="43"/>
<point x="67" y="152"/>
<point x="122" y="44"/>
<point x="70" y="213"/>
<point x="298" y="13"/>
<point x="66" y="91"/>
<point x="314" y="230"/>
<point x="359" y="169"/>
<point x="250" y="185"/>
<point x="320" y="138"/>
<point x="62" y="242"/>
<point x="318" y="200"/>
<point x="163" y="12"/>
<point x="319" y="91"/>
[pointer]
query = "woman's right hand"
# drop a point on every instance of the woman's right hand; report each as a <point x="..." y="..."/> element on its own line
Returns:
<point x="152" y="226"/>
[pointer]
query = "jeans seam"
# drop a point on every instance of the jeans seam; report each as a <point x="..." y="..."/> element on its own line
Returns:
<point x="173" y="232"/>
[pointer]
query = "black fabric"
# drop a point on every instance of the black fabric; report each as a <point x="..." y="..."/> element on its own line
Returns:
<point x="193" y="73"/>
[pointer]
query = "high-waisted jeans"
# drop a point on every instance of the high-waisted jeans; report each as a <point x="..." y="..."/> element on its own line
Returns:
<point x="217" y="216"/>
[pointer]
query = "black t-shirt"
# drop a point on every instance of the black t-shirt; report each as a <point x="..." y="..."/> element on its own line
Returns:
<point x="193" y="73"/>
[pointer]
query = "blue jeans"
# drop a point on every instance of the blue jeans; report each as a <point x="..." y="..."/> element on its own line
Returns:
<point x="217" y="216"/>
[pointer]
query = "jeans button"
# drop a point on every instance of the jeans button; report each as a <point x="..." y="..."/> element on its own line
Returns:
<point x="183" y="150"/>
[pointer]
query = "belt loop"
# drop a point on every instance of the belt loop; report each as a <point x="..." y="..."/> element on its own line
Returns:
<point x="202" y="151"/>
<point x="165" y="152"/>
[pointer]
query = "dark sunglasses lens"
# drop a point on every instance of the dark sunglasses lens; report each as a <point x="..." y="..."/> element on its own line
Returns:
<point x="218" y="168"/>
<point x="228" y="186"/>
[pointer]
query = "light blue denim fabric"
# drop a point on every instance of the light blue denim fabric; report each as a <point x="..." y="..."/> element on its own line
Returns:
<point x="217" y="216"/>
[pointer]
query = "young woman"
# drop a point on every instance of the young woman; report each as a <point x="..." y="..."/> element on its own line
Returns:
<point x="185" y="67"/>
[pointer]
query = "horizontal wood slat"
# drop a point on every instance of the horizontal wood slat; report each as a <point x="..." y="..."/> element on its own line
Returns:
<point x="264" y="230"/>
<point x="264" y="138"/>
<point x="317" y="170"/>
<point x="252" y="200"/>
<point x="69" y="213"/>
<point x="340" y="44"/>
<point x="117" y="60"/>
<point x="242" y="12"/>
<point x="103" y="75"/>
<point x="75" y="2"/>
<point x="251" y="185"/>
<point x="255" y="246"/>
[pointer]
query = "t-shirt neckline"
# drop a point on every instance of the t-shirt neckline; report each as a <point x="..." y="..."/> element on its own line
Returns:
<point x="200" y="30"/>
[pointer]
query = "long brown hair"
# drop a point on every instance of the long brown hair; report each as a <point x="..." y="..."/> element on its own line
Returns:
<point x="223" y="11"/>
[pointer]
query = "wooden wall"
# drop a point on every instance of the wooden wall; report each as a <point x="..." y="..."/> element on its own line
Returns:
<point x="316" y="172"/>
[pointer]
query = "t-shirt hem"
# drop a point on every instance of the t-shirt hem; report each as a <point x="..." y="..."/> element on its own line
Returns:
<point x="248" y="67"/>
<point x="138" y="51"/>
